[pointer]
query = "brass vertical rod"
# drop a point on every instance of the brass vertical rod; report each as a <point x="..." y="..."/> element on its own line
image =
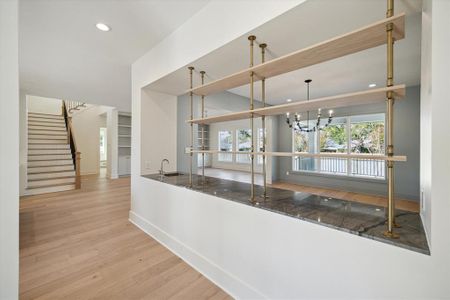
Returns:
<point x="263" y="122"/>
<point x="252" y="129"/>
<point x="390" y="126"/>
<point x="202" y="73"/>
<point x="191" y="96"/>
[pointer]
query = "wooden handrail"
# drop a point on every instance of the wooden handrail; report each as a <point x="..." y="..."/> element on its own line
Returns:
<point x="76" y="155"/>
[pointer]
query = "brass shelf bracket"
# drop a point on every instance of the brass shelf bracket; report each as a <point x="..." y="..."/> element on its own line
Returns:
<point x="191" y="96"/>
<point x="390" y="126"/>
<point x="263" y="122"/>
<point x="252" y="39"/>
<point x="202" y="74"/>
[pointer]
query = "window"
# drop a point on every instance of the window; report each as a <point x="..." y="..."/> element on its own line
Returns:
<point x="304" y="142"/>
<point x="355" y="134"/>
<point x="225" y="144"/>
<point x="260" y="145"/>
<point x="334" y="139"/>
<point x="244" y="144"/>
<point x="367" y="136"/>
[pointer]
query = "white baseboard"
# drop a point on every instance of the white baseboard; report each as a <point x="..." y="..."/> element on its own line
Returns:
<point x="232" y="285"/>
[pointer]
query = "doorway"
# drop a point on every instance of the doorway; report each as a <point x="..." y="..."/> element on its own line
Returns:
<point x="103" y="152"/>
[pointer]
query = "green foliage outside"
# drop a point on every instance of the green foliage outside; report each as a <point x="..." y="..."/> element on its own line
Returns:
<point x="368" y="137"/>
<point x="225" y="140"/>
<point x="244" y="140"/>
<point x="333" y="138"/>
<point x="301" y="142"/>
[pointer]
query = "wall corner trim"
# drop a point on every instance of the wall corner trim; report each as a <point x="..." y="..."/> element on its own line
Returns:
<point x="232" y="285"/>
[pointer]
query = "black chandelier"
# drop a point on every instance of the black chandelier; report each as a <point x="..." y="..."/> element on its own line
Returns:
<point x="296" y="122"/>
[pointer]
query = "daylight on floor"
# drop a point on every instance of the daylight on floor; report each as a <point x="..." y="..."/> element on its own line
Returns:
<point x="212" y="149"/>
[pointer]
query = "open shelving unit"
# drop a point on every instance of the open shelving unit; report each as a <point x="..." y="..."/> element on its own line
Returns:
<point x="362" y="39"/>
<point x="315" y="155"/>
<point x="124" y="144"/>
<point x="203" y="140"/>
<point x="385" y="31"/>
<point x="357" y="98"/>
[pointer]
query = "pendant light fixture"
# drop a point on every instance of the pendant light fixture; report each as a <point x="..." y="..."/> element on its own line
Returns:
<point x="296" y="124"/>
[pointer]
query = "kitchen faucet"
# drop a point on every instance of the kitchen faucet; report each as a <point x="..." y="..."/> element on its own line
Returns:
<point x="161" y="171"/>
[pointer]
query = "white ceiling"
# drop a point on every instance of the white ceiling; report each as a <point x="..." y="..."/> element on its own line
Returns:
<point x="63" y="55"/>
<point x="307" y="24"/>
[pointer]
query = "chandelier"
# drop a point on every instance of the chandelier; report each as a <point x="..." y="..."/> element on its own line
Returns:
<point x="296" y="124"/>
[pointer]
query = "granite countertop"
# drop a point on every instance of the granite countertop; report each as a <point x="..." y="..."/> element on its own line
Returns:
<point x="356" y="218"/>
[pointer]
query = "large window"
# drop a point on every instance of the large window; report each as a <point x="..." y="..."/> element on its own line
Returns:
<point x="355" y="134"/>
<point x="304" y="142"/>
<point x="225" y="144"/>
<point x="244" y="144"/>
<point x="260" y="146"/>
<point x="334" y="139"/>
<point x="367" y="136"/>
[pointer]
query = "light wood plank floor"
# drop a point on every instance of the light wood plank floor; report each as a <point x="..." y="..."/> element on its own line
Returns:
<point x="80" y="245"/>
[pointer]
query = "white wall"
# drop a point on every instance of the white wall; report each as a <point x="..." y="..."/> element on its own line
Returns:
<point x="44" y="105"/>
<point x="440" y="141"/>
<point x="23" y="151"/>
<point x="9" y="150"/>
<point x="253" y="253"/>
<point x="86" y="125"/>
<point x="159" y="132"/>
<point x="425" y="118"/>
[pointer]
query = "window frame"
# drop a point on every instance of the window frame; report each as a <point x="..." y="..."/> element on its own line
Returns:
<point x="219" y="156"/>
<point x="237" y="147"/>
<point x="349" y="171"/>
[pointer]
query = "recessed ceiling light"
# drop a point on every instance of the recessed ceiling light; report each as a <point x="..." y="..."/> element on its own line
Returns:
<point x="289" y="100"/>
<point x="372" y="85"/>
<point x="102" y="27"/>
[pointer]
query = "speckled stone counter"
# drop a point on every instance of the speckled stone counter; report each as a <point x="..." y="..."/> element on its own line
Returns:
<point x="356" y="218"/>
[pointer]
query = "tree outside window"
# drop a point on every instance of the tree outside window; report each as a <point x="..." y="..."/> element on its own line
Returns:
<point x="367" y="137"/>
<point x="225" y="144"/>
<point x="304" y="142"/>
<point x="364" y="134"/>
<point x="244" y="144"/>
<point x="333" y="138"/>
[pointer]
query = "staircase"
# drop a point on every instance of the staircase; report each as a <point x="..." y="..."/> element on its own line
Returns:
<point x="51" y="165"/>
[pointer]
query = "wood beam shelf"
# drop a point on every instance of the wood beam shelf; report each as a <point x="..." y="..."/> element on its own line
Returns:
<point x="361" y="39"/>
<point x="314" y="155"/>
<point x="357" y="98"/>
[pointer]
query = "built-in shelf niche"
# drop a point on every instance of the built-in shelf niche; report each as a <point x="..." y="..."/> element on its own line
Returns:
<point x="208" y="159"/>
<point x="124" y="144"/>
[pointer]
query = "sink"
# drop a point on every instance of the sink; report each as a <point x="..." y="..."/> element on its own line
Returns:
<point x="170" y="174"/>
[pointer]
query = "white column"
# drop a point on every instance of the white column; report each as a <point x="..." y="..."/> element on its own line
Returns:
<point x="9" y="150"/>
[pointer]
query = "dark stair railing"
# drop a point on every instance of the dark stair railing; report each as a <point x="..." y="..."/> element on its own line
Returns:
<point x="76" y="155"/>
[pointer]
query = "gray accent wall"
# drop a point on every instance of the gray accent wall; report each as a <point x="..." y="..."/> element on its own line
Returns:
<point x="223" y="102"/>
<point x="183" y="133"/>
<point x="406" y="142"/>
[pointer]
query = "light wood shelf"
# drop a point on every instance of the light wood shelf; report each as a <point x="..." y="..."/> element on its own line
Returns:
<point x="356" y="98"/>
<point x="315" y="155"/>
<point x="124" y="125"/>
<point x="364" y="38"/>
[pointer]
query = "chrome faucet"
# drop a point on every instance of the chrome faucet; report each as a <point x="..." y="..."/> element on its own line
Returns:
<point x="161" y="171"/>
